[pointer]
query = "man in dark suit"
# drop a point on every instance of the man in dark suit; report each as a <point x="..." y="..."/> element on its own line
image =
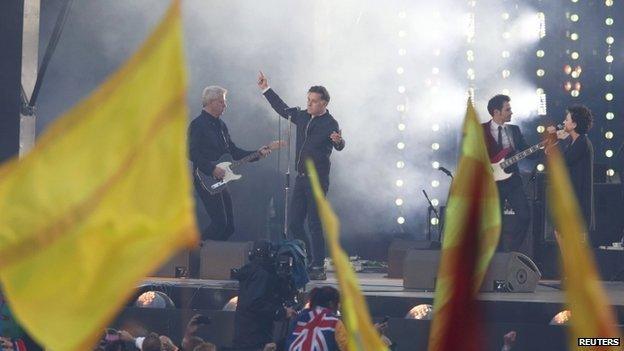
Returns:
<point x="500" y="135"/>
<point x="317" y="134"/>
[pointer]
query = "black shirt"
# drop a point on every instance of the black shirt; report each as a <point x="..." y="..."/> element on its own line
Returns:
<point x="209" y="139"/>
<point x="312" y="135"/>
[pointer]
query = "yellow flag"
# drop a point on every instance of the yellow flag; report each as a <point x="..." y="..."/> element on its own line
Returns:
<point x="102" y="200"/>
<point x="592" y="316"/>
<point x="471" y="232"/>
<point x="362" y="335"/>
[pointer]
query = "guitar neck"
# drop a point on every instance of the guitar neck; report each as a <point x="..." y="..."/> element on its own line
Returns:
<point x="522" y="155"/>
<point x="246" y="159"/>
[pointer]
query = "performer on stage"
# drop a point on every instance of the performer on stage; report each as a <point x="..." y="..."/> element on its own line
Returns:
<point x="317" y="134"/>
<point x="499" y="135"/>
<point x="209" y="139"/>
<point x="579" y="158"/>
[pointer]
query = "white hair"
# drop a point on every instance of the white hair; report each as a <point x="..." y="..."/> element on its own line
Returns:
<point x="212" y="92"/>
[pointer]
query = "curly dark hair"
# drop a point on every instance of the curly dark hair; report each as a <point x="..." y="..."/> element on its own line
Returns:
<point x="324" y="297"/>
<point x="582" y="116"/>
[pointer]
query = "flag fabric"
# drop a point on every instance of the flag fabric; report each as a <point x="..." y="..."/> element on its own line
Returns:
<point x="471" y="232"/>
<point x="361" y="332"/>
<point x="314" y="331"/>
<point x="592" y="316"/>
<point x="102" y="200"/>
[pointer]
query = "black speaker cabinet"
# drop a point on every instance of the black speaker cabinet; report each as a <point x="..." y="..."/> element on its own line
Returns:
<point x="508" y="272"/>
<point x="219" y="257"/>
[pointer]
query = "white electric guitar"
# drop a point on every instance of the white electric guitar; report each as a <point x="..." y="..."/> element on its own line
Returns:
<point x="215" y="186"/>
<point x="500" y="162"/>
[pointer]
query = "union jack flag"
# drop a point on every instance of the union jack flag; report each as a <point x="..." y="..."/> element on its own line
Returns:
<point x="314" y="331"/>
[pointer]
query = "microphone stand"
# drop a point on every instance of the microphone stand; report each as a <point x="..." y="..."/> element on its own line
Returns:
<point x="435" y="212"/>
<point x="287" y="179"/>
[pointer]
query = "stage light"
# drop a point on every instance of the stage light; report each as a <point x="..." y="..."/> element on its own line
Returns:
<point x="435" y="183"/>
<point x="402" y="34"/>
<point x="506" y="73"/>
<point x="435" y="127"/>
<point x="401" y="89"/>
<point x="421" y="312"/>
<point x="540" y="168"/>
<point x="401" y="108"/>
<point x="575" y="93"/>
<point x="230" y="306"/>
<point x="401" y="126"/>
<point x="610" y="115"/>
<point x="400" y="70"/>
<point x="435" y="164"/>
<point x="541" y="129"/>
<point x="400" y="220"/>
<point x="505" y="54"/>
<point x="399" y="183"/>
<point x="575" y="55"/>
<point x="542" y="105"/>
<point x="609" y="77"/>
<point x="609" y="153"/>
<point x="567" y="69"/>
<point x="574" y="36"/>
<point x="574" y="17"/>
<point x="506" y="91"/>
<point x="567" y="86"/>
<point x="400" y="164"/>
<point x="435" y="70"/>
<point x="609" y="58"/>
<point x="400" y="145"/>
<point x="541" y="22"/>
<point x="402" y="14"/>
<point x="609" y="135"/>
<point x="574" y="0"/>
<point x="154" y="299"/>
<point x="506" y="35"/>
<point x="434" y="221"/>
<point x="608" y="3"/>
<point x="435" y="202"/>
<point x="470" y="56"/>
<point x="540" y="72"/>
<point x="608" y="96"/>
<point x="561" y="318"/>
<point x="577" y="86"/>
<point x="610" y="172"/>
<point x="575" y="74"/>
<point x="609" y="40"/>
<point x="435" y="146"/>
<point x="540" y="53"/>
<point x="505" y="16"/>
<point x="398" y="202"/>
<point x="609" y="21"/>
<point x="402" y="52"/>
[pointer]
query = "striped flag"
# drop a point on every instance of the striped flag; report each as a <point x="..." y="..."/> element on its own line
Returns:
<point x="471" y="233"/>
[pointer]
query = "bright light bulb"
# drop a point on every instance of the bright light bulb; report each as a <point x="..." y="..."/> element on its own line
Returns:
<point x="398" y="202"/>
<point x="610" y="172"/>
<point x="402" y="14"/>
<point x="609" y="58"/>
<point x="506" y="73"/>
<point x="540" y="72"/>
<point x="435" y="146"/>
<point x="399" y="183"/>
<point x="402" y="52"/>
<point x="609" y="96"/>
<point x="435" y="183"/>
<point x="400" y="220"/>
<point x="609" y="21"/>
<point x="574" y="93"/>
<point x="574" y="17"/>
<point x="400" y="70"/>
<point x="608" y="3"/>
<point x="435" y="202"/>
<point x="505" y="16"/>
<point x="541" y="129"/>
<point x="540" y="53"/>
<point x="400" y="164"/>
<point x="434" y="221"/>
<point x="610" y="40"/>
<point x="540" y="168"/>
<point x="505" y="54"/>
<point x="401" y="108"/>
<point x="401" y="126"/>
<point x="402" y="34"/>
<point x="575" y="55"/>
<point x="400" y="145"/>
<point x="609" y="135"/>
<point x="401" y="89"/>
<point x="435" y="127"/>
<point x="610" y="116"/>
<point x="609" y="77"/>
<point x="435" y="164"/>
<point x="609" y="153"/>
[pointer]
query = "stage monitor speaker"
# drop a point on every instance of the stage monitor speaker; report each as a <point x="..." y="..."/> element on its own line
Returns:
<point x="508" y="272"/>
<point x="397" y="250"/>
<point x="219" y="257"/>
<point x="176" y="267"/>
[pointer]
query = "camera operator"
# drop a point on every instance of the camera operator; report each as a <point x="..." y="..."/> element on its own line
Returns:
<point x="259" y="300"/>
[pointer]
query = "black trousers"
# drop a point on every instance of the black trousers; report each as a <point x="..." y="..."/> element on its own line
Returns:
<point x="512" y="190"/>
<point x="219" y="209"/>
<point x="303" y="207"/>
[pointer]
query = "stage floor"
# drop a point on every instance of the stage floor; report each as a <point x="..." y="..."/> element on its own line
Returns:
<point x="376" y="284"/>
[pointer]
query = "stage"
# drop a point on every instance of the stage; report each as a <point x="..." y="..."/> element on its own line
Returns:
<point x="528" y="314"/>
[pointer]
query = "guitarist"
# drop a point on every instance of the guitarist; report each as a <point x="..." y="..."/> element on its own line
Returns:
<point x="500" y="135"/>
<point x="209" y="139"/>
<point x="317" y="134"/>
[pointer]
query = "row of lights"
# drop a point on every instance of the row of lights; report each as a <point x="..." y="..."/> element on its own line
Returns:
<point x="609" y="78"/>
<point x="573" y="69"/>
<point x="402" y="110"/>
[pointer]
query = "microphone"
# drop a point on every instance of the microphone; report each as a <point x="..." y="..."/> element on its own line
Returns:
<point x="446" y="171"/>
<point x="559" y="126"/>
<point x="292" y="110"/>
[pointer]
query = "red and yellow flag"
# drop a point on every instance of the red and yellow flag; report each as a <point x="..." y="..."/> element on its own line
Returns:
<point x="102" y="200"/>
<point x="362" y="335"/>
<point x="592" y="316"/>
<point x="471" y="232"/>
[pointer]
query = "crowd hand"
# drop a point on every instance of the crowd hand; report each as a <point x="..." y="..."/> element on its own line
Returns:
<point x="509" y="339"/>
<point x="167" y="344"/>
<point x="263" y="82"/>
<point x="270" y="347"/>
<point x="218" y="173"/>
<point x="125" y="336"/>
<point x="264" y="151"/>
<point x="290" y="312"/>
<point x="561" y="134"/>
<point x="336" y="137"/>
<point x="6" y="343"/>
<point x="381" y="327"/>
